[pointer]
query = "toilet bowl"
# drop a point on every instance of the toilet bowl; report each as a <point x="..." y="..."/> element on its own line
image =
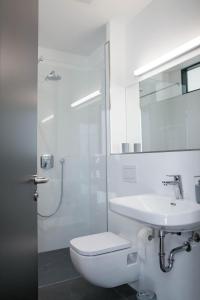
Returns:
<point x="105" y="259"/>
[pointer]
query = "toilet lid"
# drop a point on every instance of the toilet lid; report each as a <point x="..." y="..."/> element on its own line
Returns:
<point x="100" y="243"/>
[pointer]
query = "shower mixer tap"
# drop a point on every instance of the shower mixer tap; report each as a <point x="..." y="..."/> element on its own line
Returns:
<point x="47" y="161"/>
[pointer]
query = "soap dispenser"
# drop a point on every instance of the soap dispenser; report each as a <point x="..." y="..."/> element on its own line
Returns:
<point x="197" y="189"/>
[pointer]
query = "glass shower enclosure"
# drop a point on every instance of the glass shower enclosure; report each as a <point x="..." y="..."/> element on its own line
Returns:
<point x="71" y="147"/>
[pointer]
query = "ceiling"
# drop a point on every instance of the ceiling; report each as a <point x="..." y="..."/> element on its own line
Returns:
<point x="78" y="26"/>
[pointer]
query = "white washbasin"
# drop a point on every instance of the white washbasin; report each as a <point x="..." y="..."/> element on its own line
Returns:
<point x="159" y="211"/>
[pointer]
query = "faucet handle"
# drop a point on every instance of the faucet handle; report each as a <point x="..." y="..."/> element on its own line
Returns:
<point x="176" y="177"/>
<point x="176" y="182"/>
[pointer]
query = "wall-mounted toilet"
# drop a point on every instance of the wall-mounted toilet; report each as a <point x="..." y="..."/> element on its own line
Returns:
<point x="105" y="259"/>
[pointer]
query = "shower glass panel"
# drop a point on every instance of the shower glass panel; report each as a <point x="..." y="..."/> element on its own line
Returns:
<point x="72" y="131"/>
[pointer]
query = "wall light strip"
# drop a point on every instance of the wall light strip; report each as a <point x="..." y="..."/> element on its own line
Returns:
<point x="47" y="119"/>
<point x="85" y="99"/>
<point x="191" y="45"/>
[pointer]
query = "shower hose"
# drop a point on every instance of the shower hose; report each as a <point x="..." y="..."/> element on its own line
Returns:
<point x="62" y="161"/>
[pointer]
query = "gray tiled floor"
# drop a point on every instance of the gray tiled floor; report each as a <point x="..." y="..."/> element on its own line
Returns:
<point x="58" y="280"/>
<point x="55" y="266"/>
<point x="79" y="289"/>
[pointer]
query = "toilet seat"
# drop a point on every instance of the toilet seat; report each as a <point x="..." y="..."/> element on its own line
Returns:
<point x="105" y="259"/>
<point x="97" y="244"/>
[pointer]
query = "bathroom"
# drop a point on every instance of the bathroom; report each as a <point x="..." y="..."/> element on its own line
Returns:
<point x="115" y="132"/>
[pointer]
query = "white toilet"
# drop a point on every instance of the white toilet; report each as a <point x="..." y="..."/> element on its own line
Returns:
<point x="105" y="259"/>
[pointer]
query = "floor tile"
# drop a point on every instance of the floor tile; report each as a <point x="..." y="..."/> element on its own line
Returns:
<point x="126" y="291"/>
<point x="58" y="280"/>
<point x="77" y="289"/>
<point x="55" y="266"/>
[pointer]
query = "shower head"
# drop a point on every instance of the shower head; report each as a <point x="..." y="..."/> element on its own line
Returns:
<point x="53" y="76"/>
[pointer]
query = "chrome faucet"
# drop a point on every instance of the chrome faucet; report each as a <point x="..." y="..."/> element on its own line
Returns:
<point x="177" y="182"/>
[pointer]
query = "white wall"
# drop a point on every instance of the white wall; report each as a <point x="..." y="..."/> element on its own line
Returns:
<point x="161" y="27"/>
<point x="116" y="34"/>
<point x="133" y="116"/>
<point x="158" y="29"/>
<point x="78" y="136"/>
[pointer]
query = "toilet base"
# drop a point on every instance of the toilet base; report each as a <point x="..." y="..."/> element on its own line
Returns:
<point x="110" y="269"/>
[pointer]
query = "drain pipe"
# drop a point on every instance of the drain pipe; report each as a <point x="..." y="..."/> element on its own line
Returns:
<point x="185" y="247"/>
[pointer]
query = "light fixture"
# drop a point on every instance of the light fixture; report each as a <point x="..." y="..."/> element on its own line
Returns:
<point x="85" y="99"/>
<point x="47" y="119"/>
<point x="191" y="45"/>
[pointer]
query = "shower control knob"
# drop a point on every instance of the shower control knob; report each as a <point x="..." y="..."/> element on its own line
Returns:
<point x="35" y="196"/>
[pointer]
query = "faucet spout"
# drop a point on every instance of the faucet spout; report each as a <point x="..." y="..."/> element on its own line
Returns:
<point x="177" y="182"/>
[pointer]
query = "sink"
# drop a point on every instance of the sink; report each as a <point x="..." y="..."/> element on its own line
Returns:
<point x="159" y="211"/>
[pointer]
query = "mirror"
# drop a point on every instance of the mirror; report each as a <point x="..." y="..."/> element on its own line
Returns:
<point x="160" y="113"/>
